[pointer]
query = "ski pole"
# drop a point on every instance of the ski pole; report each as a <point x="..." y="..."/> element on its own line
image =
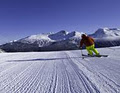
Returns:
<point x="82" y="53"/>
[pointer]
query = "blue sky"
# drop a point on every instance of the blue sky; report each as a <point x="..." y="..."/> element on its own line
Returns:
<point x="21" y="18"/>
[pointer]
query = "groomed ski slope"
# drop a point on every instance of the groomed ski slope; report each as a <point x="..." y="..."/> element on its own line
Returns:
<point x="60" y="72"/>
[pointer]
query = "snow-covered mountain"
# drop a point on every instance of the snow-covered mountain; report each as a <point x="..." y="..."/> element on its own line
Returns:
<point x="50" y="41"/>
<point x="63" y="40"/>
<point x="41" y="40"/>
<point x="106" y="37"/>
<point x="59" y="36"/>
<point x="106" y="33"/>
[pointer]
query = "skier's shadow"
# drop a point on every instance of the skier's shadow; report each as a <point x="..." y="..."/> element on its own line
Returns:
<point x="41" y="59"/>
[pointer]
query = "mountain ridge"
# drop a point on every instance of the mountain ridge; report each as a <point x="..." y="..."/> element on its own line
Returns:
<point x="62" y="40"/>
<point x="106" y="33"/>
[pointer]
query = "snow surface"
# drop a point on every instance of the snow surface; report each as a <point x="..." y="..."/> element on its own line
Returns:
<point x="60" y="72"/>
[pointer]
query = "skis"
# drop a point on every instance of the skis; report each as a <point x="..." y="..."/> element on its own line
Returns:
<point x="94" y="55"/>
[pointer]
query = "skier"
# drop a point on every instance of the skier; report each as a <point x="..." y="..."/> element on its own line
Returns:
<point x="89" y="43"/>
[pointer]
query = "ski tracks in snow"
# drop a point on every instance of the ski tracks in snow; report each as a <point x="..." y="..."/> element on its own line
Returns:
<point x="99" y="78"/>
<point x="55" y="72"/>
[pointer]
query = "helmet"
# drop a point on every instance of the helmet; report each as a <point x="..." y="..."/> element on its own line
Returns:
<point x="83" y="35"/>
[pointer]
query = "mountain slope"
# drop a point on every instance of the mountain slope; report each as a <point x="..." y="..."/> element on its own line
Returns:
<point x="60" y="72"/>
<point x="63" y="40"/>
<point x="106" y="33"/>
<point x="107" y="37"/>
<point x="44" y="42"/>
